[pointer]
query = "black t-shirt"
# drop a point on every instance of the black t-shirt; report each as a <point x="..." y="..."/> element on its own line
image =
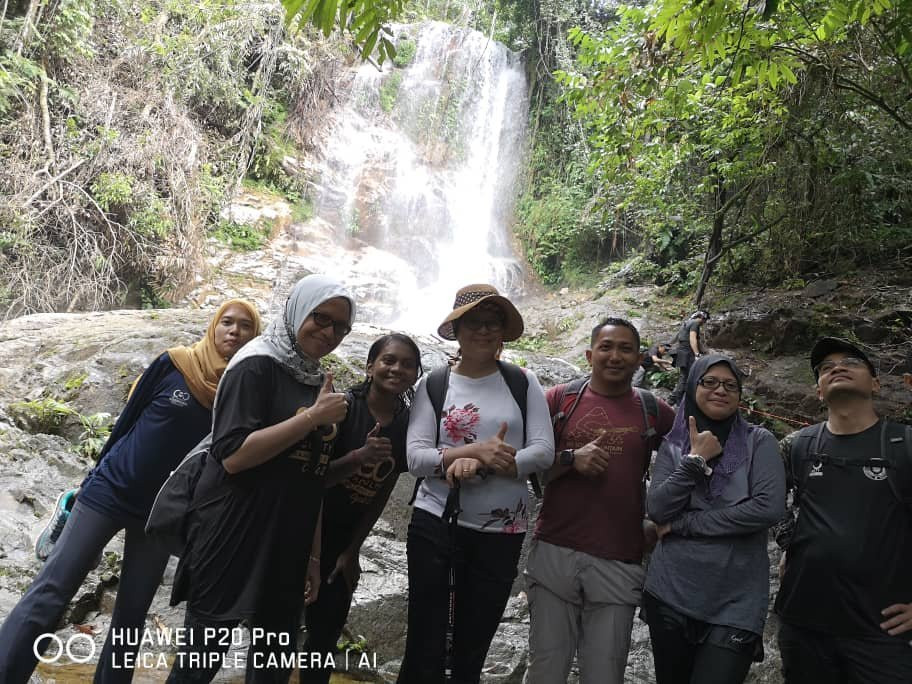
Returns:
<point x="250" y="533"/>
<point x="346" y="502"/>
<point x="851" y="553"/>
<point x="685" y="354"/>
<point x="652" y="351"/>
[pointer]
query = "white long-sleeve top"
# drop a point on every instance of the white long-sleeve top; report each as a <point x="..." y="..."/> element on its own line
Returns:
<point x="473" y="410"/>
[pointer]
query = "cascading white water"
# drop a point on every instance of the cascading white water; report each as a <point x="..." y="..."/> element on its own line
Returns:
<point x="421" y="163"/>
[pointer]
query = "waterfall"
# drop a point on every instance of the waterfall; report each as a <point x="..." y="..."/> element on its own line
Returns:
<point x="420" y="165"/>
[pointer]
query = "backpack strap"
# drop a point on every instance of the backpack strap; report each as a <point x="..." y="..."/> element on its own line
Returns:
<point x="437" y="383"/>
<point x="650" y="408"/>
<point x="518" y="383"/>
<point x="574" y="388"/>
<point x="896" y="448"/>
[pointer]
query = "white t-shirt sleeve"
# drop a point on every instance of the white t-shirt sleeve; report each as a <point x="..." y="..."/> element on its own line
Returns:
<point x="421" y="442"/>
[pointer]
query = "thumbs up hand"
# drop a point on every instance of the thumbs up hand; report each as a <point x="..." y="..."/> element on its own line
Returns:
<point x="704" y="443"/>
<point x="330" y="406"/>
<point x="496" y="455"/>
<point x="375" y="448"/>
<point x="591" y="459"/>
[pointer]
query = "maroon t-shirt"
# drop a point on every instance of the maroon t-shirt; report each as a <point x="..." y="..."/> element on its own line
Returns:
<point x="602" y="516"/>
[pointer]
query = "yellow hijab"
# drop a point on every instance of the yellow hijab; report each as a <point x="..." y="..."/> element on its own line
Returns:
<point x="201" y="365"/>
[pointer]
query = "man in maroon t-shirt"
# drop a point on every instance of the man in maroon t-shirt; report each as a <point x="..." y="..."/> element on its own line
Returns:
<point x="585" y="573"/>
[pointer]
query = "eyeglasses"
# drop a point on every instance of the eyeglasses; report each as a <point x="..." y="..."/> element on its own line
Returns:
<point x="340" y="328"/>
<point x="712" y="383"/>
<point x="850" y="362"/>
<point x="476" y="324"/>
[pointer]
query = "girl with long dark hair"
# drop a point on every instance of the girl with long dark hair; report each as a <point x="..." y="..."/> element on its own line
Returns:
<point x="371" y="445"/>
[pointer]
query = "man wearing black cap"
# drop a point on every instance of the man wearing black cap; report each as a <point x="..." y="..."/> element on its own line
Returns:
<point x="845" y="603"/>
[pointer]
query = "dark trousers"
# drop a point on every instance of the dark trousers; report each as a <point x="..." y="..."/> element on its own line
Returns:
<point x="326" y="616"/>
<point x="74" y="555"/>
<point x="675" y="397"/>
<point x="485" y="569"/>
<point x="207" y="641"/>
<point x="688" y="651"/>
<point x="810" y="657"/>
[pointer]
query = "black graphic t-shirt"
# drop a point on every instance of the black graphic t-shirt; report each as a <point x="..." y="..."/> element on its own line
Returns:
<point x="250" y="533"/>
<point x="345" y="503"/>
<point x="851" y="553"/>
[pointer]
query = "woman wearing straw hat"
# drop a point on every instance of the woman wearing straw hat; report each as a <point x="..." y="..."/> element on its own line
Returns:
<point x="478" y="441"/>
<point x="169" y="410"/>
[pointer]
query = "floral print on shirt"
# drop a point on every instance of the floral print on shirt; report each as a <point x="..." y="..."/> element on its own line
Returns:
<point x="460" y="423"/>
<point x="513" y="522"/>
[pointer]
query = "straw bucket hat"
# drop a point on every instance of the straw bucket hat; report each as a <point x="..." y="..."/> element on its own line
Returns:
<point x="471" y="296"/>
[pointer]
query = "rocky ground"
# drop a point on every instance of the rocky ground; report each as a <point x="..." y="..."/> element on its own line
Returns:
<point x="59" y="373"/>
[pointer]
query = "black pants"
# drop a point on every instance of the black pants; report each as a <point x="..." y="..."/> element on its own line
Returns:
<point x="326" y="616"/>
<point x="207" y="641"/>
<point x="688" y="651"/>
<point x="810" y="657"/>
<point x="486" y="567"/>
<point x="675" y="397"/>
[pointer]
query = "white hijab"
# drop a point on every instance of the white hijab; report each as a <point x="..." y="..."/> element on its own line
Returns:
<point x="279" y="339"/>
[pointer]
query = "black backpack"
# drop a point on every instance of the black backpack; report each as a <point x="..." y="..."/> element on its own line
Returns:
<point x="439" y="380"/>
<point x="168" y="516"/>
<point x="895" y="458"/>
<point x="575" y="389"/>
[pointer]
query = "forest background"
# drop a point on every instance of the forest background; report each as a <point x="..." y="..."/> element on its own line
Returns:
<point x="751" y="142"/>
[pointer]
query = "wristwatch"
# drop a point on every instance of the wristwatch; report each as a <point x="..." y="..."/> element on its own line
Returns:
<point x="565" y="457"/>
<point x="701" y="462"/>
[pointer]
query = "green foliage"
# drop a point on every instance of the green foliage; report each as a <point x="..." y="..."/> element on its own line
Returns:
<point x="70" y="33"/>
<point x="113" y="191"/>
<point x="242" y="236"/>
<point x="389" y="91"/>
<point x="712" y="126"/>
<point x="302" y="211"/>
<point x="96" y="428"/>
<point x="365" y="20"/>
<point x="151" y="218"/>
<point x="405" y="52"/>
<point x="45" y="415"/>
<point x="18" y="77"/>
<point x="660" y="378"/>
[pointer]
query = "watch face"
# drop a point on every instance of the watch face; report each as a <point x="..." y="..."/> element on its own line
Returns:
<point x="566" y="457"/>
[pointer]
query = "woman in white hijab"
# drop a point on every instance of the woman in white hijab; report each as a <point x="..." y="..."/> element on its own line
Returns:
<point x="253" y="550"/>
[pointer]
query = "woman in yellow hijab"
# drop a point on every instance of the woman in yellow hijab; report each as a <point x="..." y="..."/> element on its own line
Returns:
<point x="168" y="412"/>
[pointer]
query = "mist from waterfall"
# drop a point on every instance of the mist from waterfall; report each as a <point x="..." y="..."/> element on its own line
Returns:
<point x="421" y="163"/>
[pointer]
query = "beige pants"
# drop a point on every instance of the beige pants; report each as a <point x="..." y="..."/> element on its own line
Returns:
<point x="580" y="605"/>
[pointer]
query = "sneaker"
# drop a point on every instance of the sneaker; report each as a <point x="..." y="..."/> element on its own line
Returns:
<point x="51" y="533"/>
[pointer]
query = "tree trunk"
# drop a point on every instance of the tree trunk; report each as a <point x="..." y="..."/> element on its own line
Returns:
<point x="714" y="248"/>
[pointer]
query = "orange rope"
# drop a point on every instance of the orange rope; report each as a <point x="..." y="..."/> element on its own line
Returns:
<point x="772" y="415"/>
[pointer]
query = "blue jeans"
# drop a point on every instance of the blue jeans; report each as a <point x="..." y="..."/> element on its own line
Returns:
<point x="74" y="555"/>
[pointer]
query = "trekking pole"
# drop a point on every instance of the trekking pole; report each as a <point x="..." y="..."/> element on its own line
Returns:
<point x="451" y="517"/>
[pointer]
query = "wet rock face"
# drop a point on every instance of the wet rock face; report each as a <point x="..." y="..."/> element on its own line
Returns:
<point x="89" y="362"/>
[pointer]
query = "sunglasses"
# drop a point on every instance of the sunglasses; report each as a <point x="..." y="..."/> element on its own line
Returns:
<point x="340" y="328"/>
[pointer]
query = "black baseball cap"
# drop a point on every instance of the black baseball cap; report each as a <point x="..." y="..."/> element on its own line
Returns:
<point x="825" y="346"/>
